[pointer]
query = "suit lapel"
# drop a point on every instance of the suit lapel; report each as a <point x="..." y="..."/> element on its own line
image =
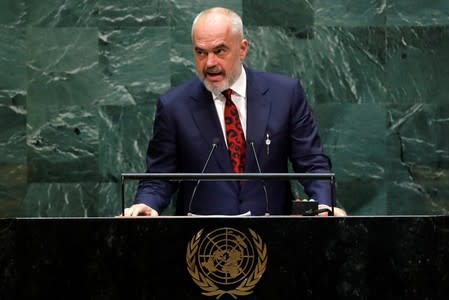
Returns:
<point x="258" y="108"/>
<point x="206" y="119"/>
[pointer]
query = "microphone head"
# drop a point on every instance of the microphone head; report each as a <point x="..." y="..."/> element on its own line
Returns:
<point x="216" y="141"/>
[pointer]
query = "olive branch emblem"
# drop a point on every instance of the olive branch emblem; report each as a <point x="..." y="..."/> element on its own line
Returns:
<point x="209" y="287"/>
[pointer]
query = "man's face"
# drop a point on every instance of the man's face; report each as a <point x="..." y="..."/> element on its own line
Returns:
<point x="218" y="52"/>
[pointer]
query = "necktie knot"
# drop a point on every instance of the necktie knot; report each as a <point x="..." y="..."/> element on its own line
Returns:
<point x="227" y="93"/>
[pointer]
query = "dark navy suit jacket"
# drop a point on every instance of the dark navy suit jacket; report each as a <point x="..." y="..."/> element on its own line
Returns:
<point x="186" y="124"/>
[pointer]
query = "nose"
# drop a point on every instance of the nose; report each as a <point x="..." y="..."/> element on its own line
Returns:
<point x="211" y="59"/>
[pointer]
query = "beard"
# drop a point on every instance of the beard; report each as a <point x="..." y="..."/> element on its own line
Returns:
<point x="224" y="85"/>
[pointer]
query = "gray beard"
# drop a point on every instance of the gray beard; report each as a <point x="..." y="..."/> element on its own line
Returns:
<point x="227" y="83"/>
<point x="214" y="90"/>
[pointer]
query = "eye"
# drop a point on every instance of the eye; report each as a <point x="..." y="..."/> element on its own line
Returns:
<point x="220" y="51"/>
<point x="200" y="52"/>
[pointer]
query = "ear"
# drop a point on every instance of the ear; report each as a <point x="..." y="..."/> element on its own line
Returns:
<point x="244" y="46"/>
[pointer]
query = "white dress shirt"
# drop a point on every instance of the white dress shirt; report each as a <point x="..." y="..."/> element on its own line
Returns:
<point x="238" y="97"/>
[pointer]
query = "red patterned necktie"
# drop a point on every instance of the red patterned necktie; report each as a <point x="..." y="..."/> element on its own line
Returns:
<point x="234" y="134"/>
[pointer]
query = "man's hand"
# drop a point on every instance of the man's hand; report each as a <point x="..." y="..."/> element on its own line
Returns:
<point x="338" y="212"/>
<point x="140" y="210"/>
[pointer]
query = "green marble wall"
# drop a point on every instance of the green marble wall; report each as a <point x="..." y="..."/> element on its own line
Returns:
<point x="79" y="81"/>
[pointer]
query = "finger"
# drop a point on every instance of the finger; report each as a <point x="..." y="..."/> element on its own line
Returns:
<point x="131" y="211"/>
<point x="339" y="212"/>
<point x="135" y="211"/>
<point x="324" y="213"/>
<point x="127" y="212"/>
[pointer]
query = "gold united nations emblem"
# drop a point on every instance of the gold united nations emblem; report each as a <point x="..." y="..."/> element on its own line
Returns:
<point x="226" y="261"/>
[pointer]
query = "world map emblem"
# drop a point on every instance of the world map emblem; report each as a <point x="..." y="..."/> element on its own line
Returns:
<point x="226" y="261"/>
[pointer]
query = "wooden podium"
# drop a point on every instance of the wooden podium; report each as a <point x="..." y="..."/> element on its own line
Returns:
<point x="293" y="257"/>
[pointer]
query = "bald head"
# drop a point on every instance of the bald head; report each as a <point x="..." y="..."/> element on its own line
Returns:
<point x="218" y="47"/>
<point x="219" y="15"/>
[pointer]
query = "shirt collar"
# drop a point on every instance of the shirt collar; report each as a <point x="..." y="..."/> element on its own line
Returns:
<point x="239" y="86"/>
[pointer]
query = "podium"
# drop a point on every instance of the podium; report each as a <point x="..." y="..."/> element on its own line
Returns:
<point x="388" y="257"/>
<point x="198" y="177"/>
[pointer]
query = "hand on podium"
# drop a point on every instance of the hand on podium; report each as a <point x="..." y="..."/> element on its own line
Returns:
<point x="313" y="208"/>
<point x="338" y="212"/>
<point x="140" y="210"/>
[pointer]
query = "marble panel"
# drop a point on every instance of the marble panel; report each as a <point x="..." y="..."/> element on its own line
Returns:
<point x="63" y="69"/>
<point x="296" y="14"/>
<point x="13" y="73"/>
<point x="124" y="135"/>
<point x="137" y="60"/>
<point x="110" y="202"/>
<point x="183" y="12"/>
<point x="349" y="65"/>
<point x="61" y="63"/>
<point x="420" y="172"/>
<point x="109" y="198"/>
<point x="350" y="13"/>
<point x="62" y="144"/>
<point x="284" y="51"/>
<point x="61" y="49"/>
<point x="182" y="65"/>
<point x="354" y="138"/>
<point x="13" y="133"/>
<point x="138" y="13"/>
<point x="86" y="88"/>
<point x="61" y="13"/>
<point x="417" y="12"/>
<point x="56" y="199"/>
<point x="415" y="67"/>
<point x="13" y="187"/>
<point x="13" y="154"/>
<point x="12" y="13"/>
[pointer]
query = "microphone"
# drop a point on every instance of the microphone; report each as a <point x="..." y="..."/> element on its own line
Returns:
<point x="215" y="143"/>
<point x="267" y="211"/>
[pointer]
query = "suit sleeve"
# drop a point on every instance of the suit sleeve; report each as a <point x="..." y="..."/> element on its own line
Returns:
<point x="161" y="158"/>
<point x="306" y="152"/>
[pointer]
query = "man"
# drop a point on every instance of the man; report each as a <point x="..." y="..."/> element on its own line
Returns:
<point x="226" y="111"/>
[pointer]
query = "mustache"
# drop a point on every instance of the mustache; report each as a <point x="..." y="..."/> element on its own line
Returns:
<point x="214" y="69"/>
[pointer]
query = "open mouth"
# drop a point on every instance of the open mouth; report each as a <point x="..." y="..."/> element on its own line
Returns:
<point x="214" y="75"/>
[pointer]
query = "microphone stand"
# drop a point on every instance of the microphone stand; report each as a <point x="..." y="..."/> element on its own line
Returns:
<point x="214" y="146"/>
<point x="267" y="211"/>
